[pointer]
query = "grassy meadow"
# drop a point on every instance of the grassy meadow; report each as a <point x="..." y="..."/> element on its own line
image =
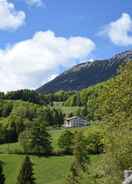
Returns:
<point x="50" y="170"/>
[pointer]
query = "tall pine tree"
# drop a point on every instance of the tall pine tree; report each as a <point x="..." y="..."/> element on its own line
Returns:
<point x="26" y="172"/>
<point x="81" y="160"/>
<point x="2" y="177"/>
<point x="40" y="138"/>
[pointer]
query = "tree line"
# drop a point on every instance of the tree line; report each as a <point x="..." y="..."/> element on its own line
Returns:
<point x="35" y="97"/>
<point x="17" y="116"/>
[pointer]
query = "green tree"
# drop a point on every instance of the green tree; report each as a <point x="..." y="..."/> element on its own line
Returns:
<point x="25" y="141"/>
<point x="26" y="172"/>
<point x="95" y="139"/>
<point x="40" y="138"/>
<point x="84" y="111"/>
<point x="80" y="150"/>
<point x="36" y="139"/>
<point x="81" y="160"/>
<point x="78" y="100"/>
<point x="65" y="141"/>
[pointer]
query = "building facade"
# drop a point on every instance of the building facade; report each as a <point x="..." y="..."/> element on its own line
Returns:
<point x="127" y="177"/>
<point x="74" y="121"/>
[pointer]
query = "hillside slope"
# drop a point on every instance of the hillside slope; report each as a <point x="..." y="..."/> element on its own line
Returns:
<point x="86" y="74"/>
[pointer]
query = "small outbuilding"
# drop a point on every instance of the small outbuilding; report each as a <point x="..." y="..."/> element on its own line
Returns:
<point x="74" y="122"/>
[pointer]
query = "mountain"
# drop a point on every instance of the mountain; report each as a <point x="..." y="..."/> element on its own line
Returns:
<point x="87" y="74"/>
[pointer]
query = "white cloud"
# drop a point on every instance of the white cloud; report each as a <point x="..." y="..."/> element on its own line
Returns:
<point x="35" y="2"/>
<point x="120" y="31"/>
<point x="10" y="18"/>
<point x="29" y="63"/>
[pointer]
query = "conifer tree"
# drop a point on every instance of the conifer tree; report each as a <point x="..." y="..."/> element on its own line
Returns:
<point x="2" y="177"/>
<point x="40" y="138"/>
<point x="65" y="141"/>
<point x="80" y="151"/>
<point x="36" y="140"/>
<point x="81" y="160"/>
<point x="78" y="100"/>
<point x="26" y="173"/>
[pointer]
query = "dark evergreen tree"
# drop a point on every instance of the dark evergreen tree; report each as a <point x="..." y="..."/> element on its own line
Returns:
<point x="65" y="141"/>
<point x="25" y="95"/>
<point x="26" y="172"/>
<point x="84" y="111"/>
<point x="40" y="138"/>
<point x="80" y="151"/>
<point x="78" y="100"/>
<point x="2" y="177"/>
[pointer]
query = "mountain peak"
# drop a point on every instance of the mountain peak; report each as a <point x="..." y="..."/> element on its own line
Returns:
<point x="123" y="55"/>
<point x="87" y="74"/>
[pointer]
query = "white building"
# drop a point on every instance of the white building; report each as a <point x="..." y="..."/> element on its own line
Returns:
<point x="74" y="121"/>
<point x="127" y="177"/>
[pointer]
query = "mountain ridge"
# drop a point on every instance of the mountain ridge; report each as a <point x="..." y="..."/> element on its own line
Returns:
<point x="87" y="74"/>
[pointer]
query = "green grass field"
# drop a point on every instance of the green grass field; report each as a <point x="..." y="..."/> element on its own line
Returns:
<point x="52" y="170"/>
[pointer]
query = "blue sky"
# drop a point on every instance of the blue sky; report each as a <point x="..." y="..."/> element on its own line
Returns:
<point x="41" y="38"/>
